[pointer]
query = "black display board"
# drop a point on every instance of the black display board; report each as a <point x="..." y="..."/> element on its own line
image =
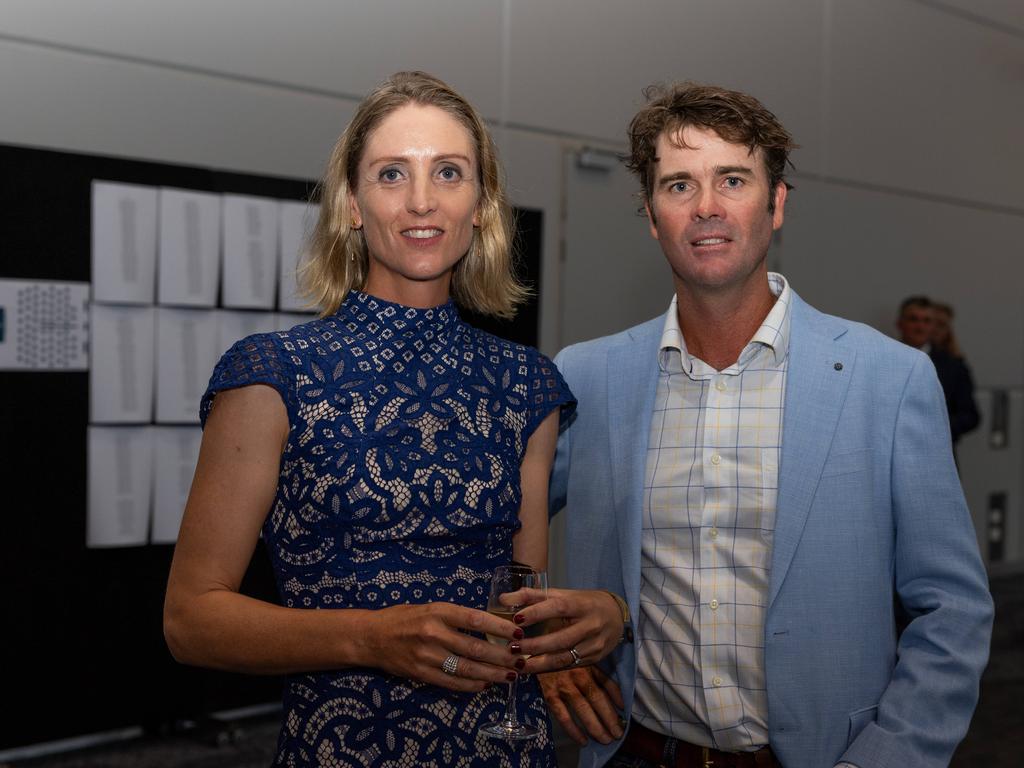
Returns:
<point x="81" y="641"/>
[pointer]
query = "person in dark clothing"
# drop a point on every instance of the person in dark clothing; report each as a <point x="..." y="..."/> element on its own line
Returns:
<point x="954" y="373"/>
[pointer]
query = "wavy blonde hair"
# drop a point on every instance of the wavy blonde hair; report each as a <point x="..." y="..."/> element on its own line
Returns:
<point x="483" y="280"/>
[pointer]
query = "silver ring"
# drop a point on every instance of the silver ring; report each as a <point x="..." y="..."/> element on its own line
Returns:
<point x="450" y="665"/>
<point x="576" y="660"/>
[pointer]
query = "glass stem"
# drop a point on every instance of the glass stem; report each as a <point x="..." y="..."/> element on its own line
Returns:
<point x="510" y="722"/>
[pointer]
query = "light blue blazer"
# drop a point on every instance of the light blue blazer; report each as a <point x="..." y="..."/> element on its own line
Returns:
<point x="870" y="513"/>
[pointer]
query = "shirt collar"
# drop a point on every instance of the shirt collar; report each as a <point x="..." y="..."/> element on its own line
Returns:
<point x="773" y="332"/>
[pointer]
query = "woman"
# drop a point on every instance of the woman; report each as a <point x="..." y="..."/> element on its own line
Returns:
<point x="401" y="454"/>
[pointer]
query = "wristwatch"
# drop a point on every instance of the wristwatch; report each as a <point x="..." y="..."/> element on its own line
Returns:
<point x="627" y="623"/>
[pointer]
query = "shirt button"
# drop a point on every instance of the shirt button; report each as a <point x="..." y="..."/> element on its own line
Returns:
<point x="713" y="604"/>
<point x="713" y="533"/>
<point x="716" y="459"/>
<point x="720" y="385"/>
<point x="716" y="681"/>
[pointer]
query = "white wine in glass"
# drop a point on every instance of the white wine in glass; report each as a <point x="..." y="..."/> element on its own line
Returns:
<point x="512" y="578"/>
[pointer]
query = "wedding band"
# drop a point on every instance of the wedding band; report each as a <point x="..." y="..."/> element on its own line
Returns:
<point x="576" y="660"/>
<point x="450" y="665"/>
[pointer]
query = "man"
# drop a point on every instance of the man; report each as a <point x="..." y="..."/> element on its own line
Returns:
<point x="760" y="482"/>
<point x="923" y="323"/>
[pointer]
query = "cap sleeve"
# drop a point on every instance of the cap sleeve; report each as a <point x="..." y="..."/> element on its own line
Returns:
<point x="548" y="391"/>
<point x="253" y="360"/>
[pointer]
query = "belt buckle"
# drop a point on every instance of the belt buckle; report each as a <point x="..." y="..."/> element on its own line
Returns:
<point x="705" y="756"/>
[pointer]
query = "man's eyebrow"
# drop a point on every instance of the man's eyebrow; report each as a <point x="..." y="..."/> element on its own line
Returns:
<point x="731" y="170"/>
<point x="677" y="176"/>
<point x="720" y="170"/>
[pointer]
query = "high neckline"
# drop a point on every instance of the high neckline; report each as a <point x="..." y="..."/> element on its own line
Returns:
<point x="407" y="320"/>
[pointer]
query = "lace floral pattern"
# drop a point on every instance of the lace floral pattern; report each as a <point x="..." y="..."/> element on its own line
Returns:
<point x="399" y="484"/>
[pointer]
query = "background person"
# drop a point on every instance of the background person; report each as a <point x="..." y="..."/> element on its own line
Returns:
<point x="389" y="455"/>
<point x="954" y="373"/>
<point x="762" y="483"/>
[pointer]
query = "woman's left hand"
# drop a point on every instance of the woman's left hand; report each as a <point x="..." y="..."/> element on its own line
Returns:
<point x="588" y="622"/>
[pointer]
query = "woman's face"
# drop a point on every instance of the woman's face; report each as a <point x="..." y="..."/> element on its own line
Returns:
<point x="416" y="198"/>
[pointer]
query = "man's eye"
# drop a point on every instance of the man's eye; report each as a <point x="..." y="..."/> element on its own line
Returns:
<point x="680" y="186"/>
<point x="734" y="182"/>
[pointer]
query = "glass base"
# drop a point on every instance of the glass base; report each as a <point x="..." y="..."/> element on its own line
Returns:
<point x="517" y="732"/>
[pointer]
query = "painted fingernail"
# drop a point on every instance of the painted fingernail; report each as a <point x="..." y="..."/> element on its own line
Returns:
<point x="519" y="618"/>
<point x="515" y="648"/>
<point x="510" y="676"/>
<point x="517" y="633"/>
<point x="520" y="663"/>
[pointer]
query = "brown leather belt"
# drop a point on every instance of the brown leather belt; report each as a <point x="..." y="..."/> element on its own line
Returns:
<point x="656" y="748"/>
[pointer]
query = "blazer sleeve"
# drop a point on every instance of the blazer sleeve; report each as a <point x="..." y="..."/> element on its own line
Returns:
<point x="942" y="586"/>
<point x="558" y="487"/>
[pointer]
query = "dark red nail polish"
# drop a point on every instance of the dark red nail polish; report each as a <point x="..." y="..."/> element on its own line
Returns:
<point x="510" y="676"/>
<point x="517" y="634"/>
<point x="519" y="618"/>
<point x="520" y="663"/>
<point x="515" y="647"/>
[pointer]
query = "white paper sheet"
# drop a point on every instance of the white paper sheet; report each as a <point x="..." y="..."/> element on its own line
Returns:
<point x="297" y="223"/>
<point x="44" y="326"/>
<point x="175" y="452"/>
<point x="120" y="486"/>
<point x="121" y="374"/>
<point x="232" y="326"/>
<point x="123" y="242"/>
<point x="250" y="252"/>
<point x="187" y="350"/>
<point x="189" y="254"/>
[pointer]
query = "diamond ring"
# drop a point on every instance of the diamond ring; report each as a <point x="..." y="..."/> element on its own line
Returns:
<point x="450" y="665"/>
<point x="576" y="660"/>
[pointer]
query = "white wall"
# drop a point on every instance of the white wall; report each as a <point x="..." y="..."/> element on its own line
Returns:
<point x="909" y="113"/>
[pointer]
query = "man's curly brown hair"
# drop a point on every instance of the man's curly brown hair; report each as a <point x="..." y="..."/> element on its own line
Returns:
<point x="735" y="116"/>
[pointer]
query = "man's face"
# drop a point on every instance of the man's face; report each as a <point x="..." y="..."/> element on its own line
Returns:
<point x="915" y="325"/>
<point x="709" y="201"/>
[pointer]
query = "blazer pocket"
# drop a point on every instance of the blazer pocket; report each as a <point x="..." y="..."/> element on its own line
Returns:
<point x="859" y="720"/>
<point x="847" y="463"/>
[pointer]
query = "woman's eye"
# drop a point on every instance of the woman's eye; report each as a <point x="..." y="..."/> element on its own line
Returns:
<point x="450" y="173"/>
<point x="390" y="174"/>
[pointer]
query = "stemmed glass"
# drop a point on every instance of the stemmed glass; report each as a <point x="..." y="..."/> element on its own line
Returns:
<point x="506" y="579"/>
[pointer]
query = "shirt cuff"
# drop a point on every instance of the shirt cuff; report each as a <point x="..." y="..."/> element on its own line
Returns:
<point x="845" y="765"/>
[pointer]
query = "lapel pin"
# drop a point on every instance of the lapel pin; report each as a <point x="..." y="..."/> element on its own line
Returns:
<point x="838" y="366"/>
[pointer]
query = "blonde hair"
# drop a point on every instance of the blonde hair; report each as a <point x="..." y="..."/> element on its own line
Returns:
<point x="483" y="280"/>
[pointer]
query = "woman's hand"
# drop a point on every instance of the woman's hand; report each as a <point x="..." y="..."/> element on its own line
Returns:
<point x="413" y="641"/>
<point x="588" y="622"/>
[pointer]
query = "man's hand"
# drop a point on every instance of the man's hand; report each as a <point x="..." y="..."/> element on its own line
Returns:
<point x="587" y="697"/>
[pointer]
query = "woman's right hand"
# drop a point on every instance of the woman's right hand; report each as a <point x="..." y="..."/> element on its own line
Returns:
<point x="413" y="641"/>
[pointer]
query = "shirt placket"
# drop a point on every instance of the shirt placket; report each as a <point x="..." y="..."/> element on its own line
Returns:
<point x="716" y="608"/>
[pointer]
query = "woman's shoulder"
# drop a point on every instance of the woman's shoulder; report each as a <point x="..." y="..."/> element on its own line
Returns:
<point x="494" y="350"/>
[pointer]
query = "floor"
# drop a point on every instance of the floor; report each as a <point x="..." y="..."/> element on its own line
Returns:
<point x="995" y="739"/>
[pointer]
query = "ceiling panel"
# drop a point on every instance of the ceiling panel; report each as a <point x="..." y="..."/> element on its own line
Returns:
<point x="927" y="102"/>
<point x="341" y="46"/>
<point x="579" y="67"/>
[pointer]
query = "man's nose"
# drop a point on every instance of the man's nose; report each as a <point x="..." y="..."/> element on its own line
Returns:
<point x="708" y="205"/>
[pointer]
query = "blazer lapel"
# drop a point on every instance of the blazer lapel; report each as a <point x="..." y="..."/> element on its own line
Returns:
<point x="817" y="379"/>
<point x="632" y="385"/>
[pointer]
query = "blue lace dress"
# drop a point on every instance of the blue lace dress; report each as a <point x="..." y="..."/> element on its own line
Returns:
<point x="399" y="484"/>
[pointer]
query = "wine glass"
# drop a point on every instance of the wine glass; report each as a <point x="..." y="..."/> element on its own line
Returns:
<point x="511" y="578"/>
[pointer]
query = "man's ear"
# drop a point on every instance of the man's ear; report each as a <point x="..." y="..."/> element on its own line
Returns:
<point x="780" y="205"/>
<point x="652" y="222"/>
